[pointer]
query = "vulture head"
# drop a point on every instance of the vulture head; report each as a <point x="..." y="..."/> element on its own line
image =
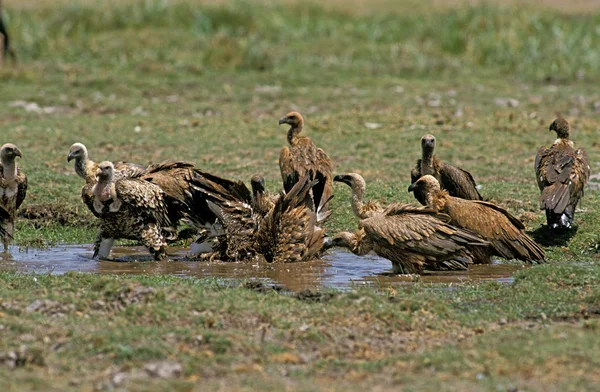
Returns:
<point x="426" y="185"/>
<point x="354" y="180"/>
<point x="78" y="152"/>
<point x="9" y="152"/>
<point x="294" y="119"/>
<point x="561" y="127"/>
<point x="105" y="172"/>
<point x="258" y="183"/>
<point x="428" y="144"/>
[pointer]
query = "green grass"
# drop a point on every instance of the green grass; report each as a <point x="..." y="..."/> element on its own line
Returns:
<point x="479" y="336"/>
<point x="207" y="83"/>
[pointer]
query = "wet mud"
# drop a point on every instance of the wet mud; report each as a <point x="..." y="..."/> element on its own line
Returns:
<point x="338" y="269"/>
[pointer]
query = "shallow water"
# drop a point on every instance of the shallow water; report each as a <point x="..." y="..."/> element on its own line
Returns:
<point x="338" y="269"/>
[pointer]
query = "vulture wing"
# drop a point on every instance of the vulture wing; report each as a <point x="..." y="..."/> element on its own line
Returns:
<point x="458" y="182"/>
<point x="418" y="239"/>
<point x="144" y="199"/>
<point x="496" y="225"/>
<point x="21" y="186"/>
<point x="288" y="233"/>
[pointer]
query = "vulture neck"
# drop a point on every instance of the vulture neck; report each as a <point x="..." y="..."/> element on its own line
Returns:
<point x="436" y="199"/>
<point x="292" y="135"/>
<point x="81" y="165"/>
<point x="103" y="186"/>
<point x="262" y="202"/>
<point x="427" y="162"/>
<point x="357" y="201"/>
<point x="9" y="170"/>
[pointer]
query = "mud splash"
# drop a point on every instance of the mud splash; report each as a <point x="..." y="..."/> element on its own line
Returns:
<point x="338" y="269"/>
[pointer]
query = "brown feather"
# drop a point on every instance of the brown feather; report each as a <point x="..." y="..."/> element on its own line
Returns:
<point x="561" y="175"/>
<point x="493" y="223"/>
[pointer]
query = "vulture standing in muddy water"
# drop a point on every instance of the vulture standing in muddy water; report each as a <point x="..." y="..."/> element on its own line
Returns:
<point x="413" y="238"/>
<point x="130" y="208"/>
<point x="505" y="233"/>
<point x="456" y="181"/>
<point x="284" y="229"/>
<point x="304" y="158"/>
<point x="561" y="173"/>
<point x="13" y="188"/>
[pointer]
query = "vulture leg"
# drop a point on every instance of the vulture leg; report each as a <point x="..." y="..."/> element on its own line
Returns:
<point x="153" y="240"/>
<point x="102" y="246"/>
<point x="7" y="229"/>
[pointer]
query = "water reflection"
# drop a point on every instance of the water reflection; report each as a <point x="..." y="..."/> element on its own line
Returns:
<point x="338" y="269"/>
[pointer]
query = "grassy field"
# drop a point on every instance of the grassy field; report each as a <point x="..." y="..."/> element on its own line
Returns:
<point x="151" y="80"/>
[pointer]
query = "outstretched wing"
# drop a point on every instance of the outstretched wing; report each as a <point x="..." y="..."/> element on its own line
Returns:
<point x="289" y="232"/>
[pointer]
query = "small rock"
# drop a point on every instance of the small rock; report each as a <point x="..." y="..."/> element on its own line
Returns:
<point x="164" y="369"/>
<point x="119" y="378"/>
<point x="506" y="102"/>
<point x="502" y="321"/>
<point x="372" y="125"/>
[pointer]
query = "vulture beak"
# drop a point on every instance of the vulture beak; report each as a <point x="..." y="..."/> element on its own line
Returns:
<point x="412" y="187"/>
<point x="70" y="157"/>
<point x="283" y="120"/>
<point x="98" y="172"/>
<point x="339" y="178"/>
<point x="18" y="153"/>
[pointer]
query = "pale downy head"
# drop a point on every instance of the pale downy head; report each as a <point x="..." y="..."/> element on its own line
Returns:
<point x="292" y="118"/>
<point x="426" y="185"/>
<point x="77" y="151"/>
<point x="9" y="152"/>
<point x="354" y="180"/>
<point x="105" y="171"/>
<point x="428" y="143"/>
<point x="561" y="127"/>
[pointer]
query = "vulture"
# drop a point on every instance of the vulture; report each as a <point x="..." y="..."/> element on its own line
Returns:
<point x="413" y="238"/>
<point x="505" y="233"/>
<point x="13" y="188"/>
<point x="303" y="158"/>
<point x="361" y="209"/>
<point x="130" y="208"/>
<point x="289" y="231"/>
<point x="562" y="173"/>
<point x="86" y="168"/>
<point x="456" y="181"/>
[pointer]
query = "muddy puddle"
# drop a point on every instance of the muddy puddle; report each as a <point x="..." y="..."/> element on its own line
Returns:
<point x="338" y="269"/>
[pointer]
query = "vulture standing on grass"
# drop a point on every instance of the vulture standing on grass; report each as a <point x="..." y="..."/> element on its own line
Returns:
<point x="13" y="188"/>
<point x="456" y="181"/>
<point x="413" y="238"/>
<point x="303" y="158"/>
<point x="288" y="232"/>
<point x="130" y="208"/>
<point x="505" y="233"/>
<point x="562" y="173"/>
